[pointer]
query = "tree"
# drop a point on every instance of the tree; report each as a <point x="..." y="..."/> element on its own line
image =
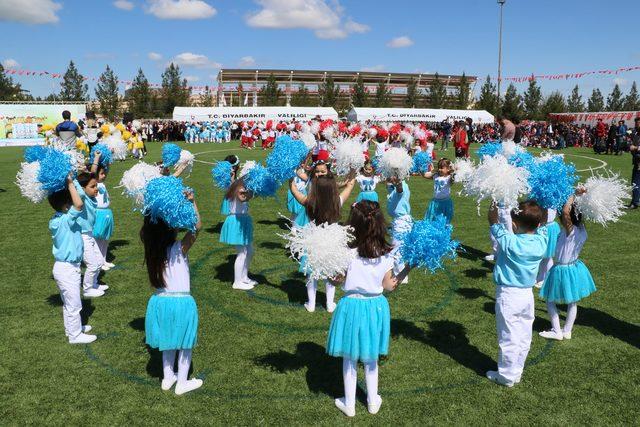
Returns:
<point x="596" y="101"/>
<point x="107" y="93"/>
<point x="207" y="99"/>
<point x="554" y="103"/>
<point x="574" y="103"/>
<point x="301" y="98"/>
<point x="73" y="87"/>
<point x="615" y="100"/>
<point x="631" y="101"/>
<point x="462" y="96"/>
<point x="382" y="97"/>
<point x="512" y="107"/>
<point x="488" y="99"/>
<point x="360" y="94"/>
<point x="271" y="93"/>
<point x="413" y="96"/>
<point x="532" y="99"/>
<point x="328" y="92"/>
<point x="175" y="91"/>
<point x="139" y="96"/>
<point x="437" y="93"/>
<point x="9" y="91"/>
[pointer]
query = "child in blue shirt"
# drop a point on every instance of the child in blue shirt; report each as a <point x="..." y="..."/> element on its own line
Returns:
<point x="517" y="260"/>
<point x="399" y="208"/>
<point x="66" y="233"/>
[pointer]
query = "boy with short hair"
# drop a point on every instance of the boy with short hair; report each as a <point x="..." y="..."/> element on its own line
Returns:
<point x="517" y="261"/>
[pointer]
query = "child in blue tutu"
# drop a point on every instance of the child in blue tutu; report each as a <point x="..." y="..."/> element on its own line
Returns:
<point x="569" y="280"/>
<point x="235" y="165"/>
<point x="441" y="204"/>
<point x="360" y="326"/>
<point x="368" y="182"/>
<point x="103" y="227"/>
<point x="553" y="231"/>
<point x="171" y="321"/>
<point x="237" y="230"/>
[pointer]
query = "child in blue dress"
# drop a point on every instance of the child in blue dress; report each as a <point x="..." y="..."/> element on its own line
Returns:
<point x="399" y="208"/>
<point x="235" y="165"/>
<point x="301" y="181"/>
<point x="237" y="230"/>
<point x="441" y="204"/>
<point x="368" y="182"/>
<point x="553" y="232"/>
<point x="360" y="326"/>
<point x="171" y="321"/>
<point x="569" y="280"/>
<point x="103" y="227"/>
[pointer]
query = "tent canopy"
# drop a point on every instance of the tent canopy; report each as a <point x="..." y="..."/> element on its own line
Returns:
<point x="237" y="114"/>
<point x="359" y="114"/>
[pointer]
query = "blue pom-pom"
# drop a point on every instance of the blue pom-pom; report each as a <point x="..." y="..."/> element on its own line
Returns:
<point x="286" y="156"/>
<point x="421" y="162"/>
<point x="164" y="199"/>
<point x="428" y="243"/>
<point x="260" y="182"/>
<point x="490" y="149"/>
<point x="170" y="154"/>
<point x="221" y="174"/>
<point x="375" y="163"/>
<point x="54" y="169"/>
<point x="35" y="153"/>
<point x="552" y="182"/>
<point x="106" y="157"/>
<point x="522" y="159"/>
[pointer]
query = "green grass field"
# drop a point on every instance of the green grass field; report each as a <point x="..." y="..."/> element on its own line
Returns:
<point x="262" y="355"/>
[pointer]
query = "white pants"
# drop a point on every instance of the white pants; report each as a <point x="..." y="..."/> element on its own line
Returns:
<point x="93" y="261"/>
<point x="399" y="225"/>
<point x="103" y="247"/>
<point x="350" y="377"/>
<point x="241" y="265"/>
<point x="67" y="277"/>
<point x="514" y="324"/>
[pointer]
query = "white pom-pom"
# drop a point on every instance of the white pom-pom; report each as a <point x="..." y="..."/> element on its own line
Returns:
<point x="78" y="161"/>
<point x="419" y="133"/>
<point x="136" y="124"/>
<point x="407" y="138"/>
<point x="117" y="146"/>
<point x="329" y="132"/>
<point x="291" y="126"/>
<point x="314" y="127"/>
<point x="545" y="156"/>
<point x="325" y="249"/>
<point x="186" y="160"/>
<point x="495" y="179"/>
<point x="308" y="139"/>
<point x="348" y="155"/>
<point x="27" y="181"/>
<point x="464" y="170"/>
<point x="248" y="165"/>
<point x="395" y="162"/>
<point x="372" y="132"/>
<point x="603" y="201"/>
<point x="135" y="180"/>
<point x="509" y="148"/>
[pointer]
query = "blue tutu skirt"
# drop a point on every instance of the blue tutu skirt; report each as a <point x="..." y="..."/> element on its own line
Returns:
<point x="360" y="329"/>
<point x="224" y="206"/>
<point x="293" y="205"/>
<point x="301" y="219"/>
<point x="439" y="207"/>
<point x="372" y="196"/>
<point x="171" y="322"/>
<point x="567" y="283"/>
<point x="553" y="231"/>
<point x="103" y="227"/>
<point x="237" y="230"/>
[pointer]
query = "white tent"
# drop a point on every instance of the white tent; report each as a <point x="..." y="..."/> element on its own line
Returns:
<point x="358" y="114"/>
<point x="236" y="114"/>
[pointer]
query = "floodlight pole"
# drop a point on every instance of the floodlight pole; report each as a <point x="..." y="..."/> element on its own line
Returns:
<point x="501" y="3"/>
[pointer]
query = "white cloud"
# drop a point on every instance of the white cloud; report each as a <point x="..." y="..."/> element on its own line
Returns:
<point x="30" y="11"/>
<point x="247" y="61"/>
<point x="191" y="79"/>
<point x="154" y="56"/>
<point x="188" y="59"/>
<point x="180" y="9"/>
<point x="402" y="41"/>
<point x="326" y="21"/>
<point x="375" y="68"/>
<point x="123" y="5"/>
<point x="10" y="63"/>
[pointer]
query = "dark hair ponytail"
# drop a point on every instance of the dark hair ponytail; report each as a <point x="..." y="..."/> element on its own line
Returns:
<point x="157" y="238"/>
<point x="369" y="229"/>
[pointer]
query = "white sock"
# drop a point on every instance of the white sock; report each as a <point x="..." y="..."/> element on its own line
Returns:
<point x="554" y="317"/>
<point x="350" y="378"/>
<point x="238" y="265"/>
<point x="247" y="261"/>
<point x="572" y="313"/>
<point x="184" y="362"/>
<point x="331" y="293"/>
<point x="168" y="360"/>
<point x="371" y="378"/>
<point x="312" y="287"/>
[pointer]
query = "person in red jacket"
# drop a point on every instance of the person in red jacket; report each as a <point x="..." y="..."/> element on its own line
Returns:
<point x="460" y="140"/>
<point x="601" y="134"/>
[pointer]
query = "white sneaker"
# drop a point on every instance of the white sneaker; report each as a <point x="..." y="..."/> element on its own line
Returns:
<point x="490" y="258"/>
<point x="83" y="339"/>
<point x="551" y="335"/>
<point x="375" y="407"/>
<point x="538" y="285"/>
<point x="167" y="383"/>
<point x="498" y="379"/>
<point x="187" y="386"/>
<point x="331" y="307"/>
<point x="566" y="335"/>
<point x="349" y="412"/>
<point x="86" y="328"/>
<point x="405" y="280"/>
<point x="309" y="308"/>
<point x="242" y="286"/>
<point x="103" y="287"/>
<point x="105" y="267"/>
<point x="109" y="264"/>
<point x="250" y="282"/>
<point x="93" y="293"/>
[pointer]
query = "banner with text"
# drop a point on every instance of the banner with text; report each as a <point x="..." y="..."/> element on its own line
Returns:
<point x="416" y="115"/>
<point x="22" y="121"/>
<point x="241" y="114"/>
<point x="592" y="118"/>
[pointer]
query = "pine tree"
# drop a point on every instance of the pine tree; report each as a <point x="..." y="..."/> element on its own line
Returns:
<point x="382" y="97"/>
<point x="574" y="103"/>
<point x="329" y="92"/>
<point x="554" y="103"/>
<point x="271" y="93"/>
<point x="73" y="87"/>
<point x="301" y="98"/>
<point x="532" y="99"/>
<point x="413" y="97"/>
<point x="488" y="99"/>
<point x="9" y="91"/>
<point x="139" y="96"/>
<point x="107" y="93"/>
<point x="175" y="91"/>
<point x="462" y="95"/>
<point x="631" y="101"/>
<point x="437" y="93"/>
<point x="512" y="107"/>
<point x="207" y="99"/>
<point x="596" y="102"/>
<point x="360" y="94"/>
<point x="615" y="100"/>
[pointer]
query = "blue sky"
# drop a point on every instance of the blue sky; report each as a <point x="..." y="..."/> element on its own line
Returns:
<point x="540" y="36"/>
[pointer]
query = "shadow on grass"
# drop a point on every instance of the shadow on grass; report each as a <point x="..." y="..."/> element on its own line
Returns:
<point x="215" y="229"/>
<point x="224" y="270"/>
<point x="282" y="223"/>
<point x="472" y="293"/>
<point x="324" y="373"/>
<point x="476" y="273"/>
<point x="114" y="245"/>
<point x="471" y="253"/>
<point x="271" y="245"/>
<point x="87" y="306"/>
<point x="294" y="287"/>
<point x="609" y="325"/>
<point x="137" y="324"/>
